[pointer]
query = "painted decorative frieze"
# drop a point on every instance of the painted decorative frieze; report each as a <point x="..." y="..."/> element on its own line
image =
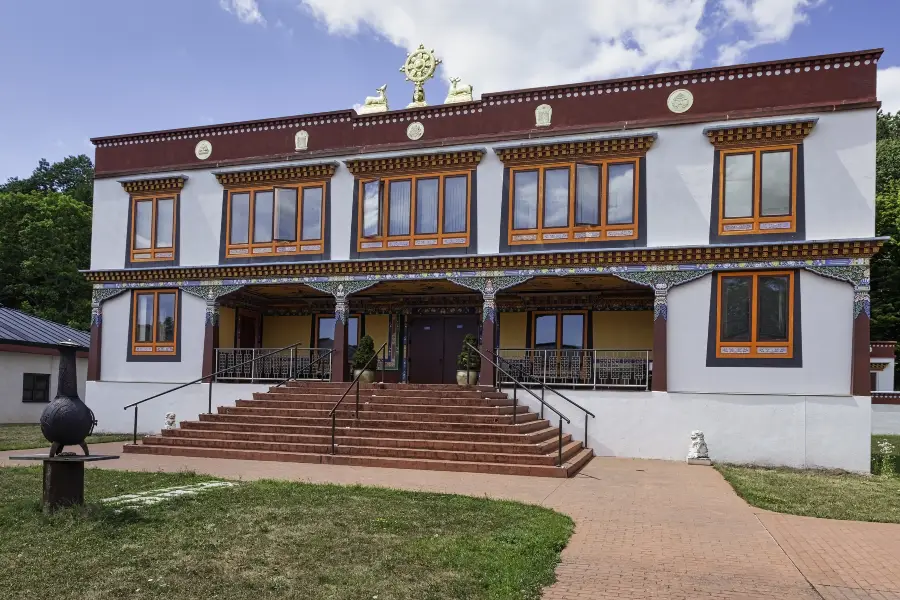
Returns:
<point x="157" y="184"/>
<point x="856" y="275"/>
<point x="489" y="286"/>
<point x="211" y="293"/>
<point x="100" y="295"/>
<point x="761" y="134"/>
<point x="662" y="282"/>
<point x="323" y="170"/>
<point x="341" y="289"/>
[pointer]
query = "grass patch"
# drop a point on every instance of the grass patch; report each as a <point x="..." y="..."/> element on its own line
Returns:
<point x="826" y="494"/>
<point x="893" y="439"/>
<point x="268" y="539"/>
<point x="24" y="437"/>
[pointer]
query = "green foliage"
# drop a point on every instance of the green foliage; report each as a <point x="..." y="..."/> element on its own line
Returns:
<point x="45" y="238"/>
<point x="73" y="176"/>
<point x="365" y="353"/>
<point x="469" y="360"/>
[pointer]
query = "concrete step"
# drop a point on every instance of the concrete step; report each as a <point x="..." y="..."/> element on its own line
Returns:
<point x="384" y="405"/>
<point x="350" y="412"/>
<point x="392" y="398"/>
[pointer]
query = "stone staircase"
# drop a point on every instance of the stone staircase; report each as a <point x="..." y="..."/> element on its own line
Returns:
<point x="405" y="426"/>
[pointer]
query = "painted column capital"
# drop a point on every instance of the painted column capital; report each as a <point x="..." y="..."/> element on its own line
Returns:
<point x="489" y="286"/>
<point x="99" y="295"/>
<point x="859" y="276"/>
<point x="341" y="290"/>
<point x="211" y="293"/>
<point x="661" y="282"/>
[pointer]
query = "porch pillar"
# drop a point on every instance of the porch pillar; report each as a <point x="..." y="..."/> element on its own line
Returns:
<point x="860" y="384"/>
<point x="488" y="327"/>
<point x="340" y="363"/>
<point x="98" y="297"/>
<point x="210" y="294"/>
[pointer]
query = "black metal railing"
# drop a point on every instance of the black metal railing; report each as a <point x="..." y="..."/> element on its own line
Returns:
<point x="212" y="376"/>
<point x="522" y="373"/>
<point x="355" y="382"/>
<point x="516" y="385"/>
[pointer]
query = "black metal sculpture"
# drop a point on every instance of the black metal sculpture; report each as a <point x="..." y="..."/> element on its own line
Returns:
<point x="67" y="421"/>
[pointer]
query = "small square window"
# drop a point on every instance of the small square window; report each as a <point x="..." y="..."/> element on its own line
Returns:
<point x="35" y="387"/>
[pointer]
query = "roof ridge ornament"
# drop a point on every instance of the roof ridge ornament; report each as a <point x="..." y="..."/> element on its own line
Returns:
<point x="419" y="67"/>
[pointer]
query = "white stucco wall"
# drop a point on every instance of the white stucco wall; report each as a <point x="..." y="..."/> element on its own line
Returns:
<point x="839" y="165"/>
<point x="886" y="419"/>
<point x="796" y="431"/>
<point x="15" y="364"/>
<point x="107" y="399"/>
<point x="114" y="349"/>
<point x="826" y="329"/>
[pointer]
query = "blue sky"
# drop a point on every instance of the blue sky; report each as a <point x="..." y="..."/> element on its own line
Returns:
<point x="75" y="70"/>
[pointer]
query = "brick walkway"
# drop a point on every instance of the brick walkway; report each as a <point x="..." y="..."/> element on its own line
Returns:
<point x="644" y="529"/>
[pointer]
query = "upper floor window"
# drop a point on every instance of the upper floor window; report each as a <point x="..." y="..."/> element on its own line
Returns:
<point x="274" y="221"/>
<point x="423" y="211"/>
<point x="758" y="190"/>
<point x="153" y="228"/>
<point x="755" y="315"/>
<point x="154" y="323"/>
<point x="566" y="202"/>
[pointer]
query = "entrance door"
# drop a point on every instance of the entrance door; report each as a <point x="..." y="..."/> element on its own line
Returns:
<point x="426" y="349"/>
<point x="455" y="329"/>
<point x="246" y="333"/>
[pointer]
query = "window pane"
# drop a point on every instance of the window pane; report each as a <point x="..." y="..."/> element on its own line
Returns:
<point x="312" y="213"/>
<point x="587" y="195"/>
<point x="27" y="381"/>
<point x="326" y="333"/>
<point x="573" y="332"/>
<point x="455" y="191"/>
<point x="773" y="307"/>
<point x="427" y="205"/>
<point x="285" y="214"/>
<point x="398" y="211"/>
<point x="144" y="318"/>
<point x="263" y="207"/>
<point x="776" y="183"/>
<point x="735" y="309"/>
<point x="240" y="218"/>
<point x="525" y="186"/>
<point x="143" y="223"/>
<point x="620" y="194"/>
<point x="738" y="185"/>
<point x="545" y="331"/>
<point x="556" y="198"/>
<point x="41" y="382"/>
<point x="165" y="320"/>
<point x="372" y="209"/>
<point x="165" y="222"/>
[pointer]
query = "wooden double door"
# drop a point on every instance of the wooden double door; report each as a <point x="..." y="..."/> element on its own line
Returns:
<point x="434" y="344"/>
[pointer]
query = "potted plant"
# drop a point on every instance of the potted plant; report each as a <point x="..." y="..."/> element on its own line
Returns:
<point x="468" y="362"/>
<point x="364" y="360"/>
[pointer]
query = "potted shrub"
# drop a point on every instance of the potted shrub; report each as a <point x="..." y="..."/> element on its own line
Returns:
<point x="364" y="360"/>
<point x="468" y="362"/>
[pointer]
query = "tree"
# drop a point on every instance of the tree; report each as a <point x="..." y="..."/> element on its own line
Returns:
<point x="73" y="176"/>
<point x="45" y="238"/>
<point x="885" y="323"/>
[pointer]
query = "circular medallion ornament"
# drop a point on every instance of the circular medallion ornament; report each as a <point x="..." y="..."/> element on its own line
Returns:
<point x="415" y="130"/>
<point x="203" y="149"/>
<point x="680" y="101"/>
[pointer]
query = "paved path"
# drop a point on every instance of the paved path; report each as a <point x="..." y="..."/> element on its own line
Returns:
<point x="644" y="529"/>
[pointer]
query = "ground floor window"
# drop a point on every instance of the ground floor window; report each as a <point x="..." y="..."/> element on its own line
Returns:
<point x="559" y="331"/>
<point x="154" y="323"/>
<point x="35" y="387"/>
<point x="325" y="333"/>
<point x="755" y="315"/>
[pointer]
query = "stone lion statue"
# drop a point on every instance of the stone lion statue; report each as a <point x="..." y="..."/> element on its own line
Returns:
<point x="170" y="420"/>
<point x="698" y="447"/>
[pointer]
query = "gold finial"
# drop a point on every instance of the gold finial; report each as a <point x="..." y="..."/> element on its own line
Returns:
<point x="419" y="67"/>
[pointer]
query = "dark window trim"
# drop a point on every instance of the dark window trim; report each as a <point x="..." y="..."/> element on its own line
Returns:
<point x="759" y="238"/>
<point x="795" y="362"/>
<point x="176" y="235"/>
<point x="130" y="356"/>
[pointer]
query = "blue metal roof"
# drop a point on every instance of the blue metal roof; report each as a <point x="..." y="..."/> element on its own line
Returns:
<point x="17" y="327"/>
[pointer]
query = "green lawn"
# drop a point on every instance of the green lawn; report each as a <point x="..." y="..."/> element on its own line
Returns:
<point x="893" y="439"/>
<point x="23" y="437"/>
<point x="268" y="540"/>
<point x="817" y="493"/>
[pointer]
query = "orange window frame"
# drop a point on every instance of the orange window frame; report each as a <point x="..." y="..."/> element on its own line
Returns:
<point x="559" y="330"/>
<point x="421" y="241"/>
<point x="754" y="348"/>
<point x="275" y="247"/>
<point x="574" y="232"/>
<point x="153" y="348"/>
<point x="154" y="252"/>
<point x="758" y="224"/>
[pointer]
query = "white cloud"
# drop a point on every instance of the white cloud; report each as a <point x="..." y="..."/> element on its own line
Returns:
<point x="764" y="22"/>
<point x="506" y="44"/>
<point x="247" y="11"/>
<point x="889" y="89"/>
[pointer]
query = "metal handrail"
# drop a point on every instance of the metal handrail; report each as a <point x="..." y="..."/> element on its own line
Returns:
<point x="544" y="387"/>
<point x="307" y="368"/>
<point x="198" y="380"/>
<point x="355" y="382"/>
<point x="518" y="385"/>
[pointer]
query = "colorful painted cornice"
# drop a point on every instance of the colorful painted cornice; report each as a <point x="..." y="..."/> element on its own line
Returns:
<point x="468" y="159"/>
<point x="160" y="184"/>
<point x="323" y="170"/>
<point x="614" y="146"/>
<point x="762" y="134"/>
